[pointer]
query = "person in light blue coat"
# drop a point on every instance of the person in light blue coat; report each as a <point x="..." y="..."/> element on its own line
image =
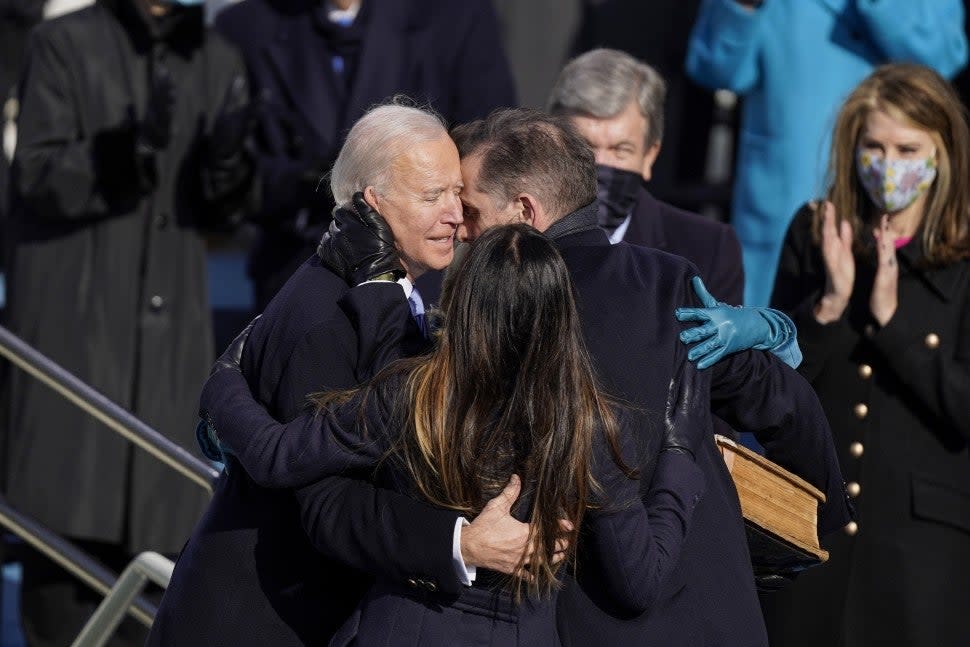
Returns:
<point x="794" y="62"/>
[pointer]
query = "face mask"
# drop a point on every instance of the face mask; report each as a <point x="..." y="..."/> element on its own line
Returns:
<point x="893" y="185"/>
<point x="616" y="193"/>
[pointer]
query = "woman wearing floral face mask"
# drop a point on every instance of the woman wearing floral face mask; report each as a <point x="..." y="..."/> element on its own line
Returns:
<point x="877" y="279"/>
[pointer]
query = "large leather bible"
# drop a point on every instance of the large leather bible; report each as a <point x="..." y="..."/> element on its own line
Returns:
<point x="780" y="512"/>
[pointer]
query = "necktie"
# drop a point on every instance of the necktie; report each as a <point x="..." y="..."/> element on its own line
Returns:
<point x="417" y="311"/>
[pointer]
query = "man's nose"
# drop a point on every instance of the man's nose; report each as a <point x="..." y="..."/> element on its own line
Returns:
<point x="602" y="156"/>
<point x="453" y="212"/>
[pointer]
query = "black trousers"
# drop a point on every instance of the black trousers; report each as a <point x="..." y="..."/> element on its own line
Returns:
<point x="55" y="605"/>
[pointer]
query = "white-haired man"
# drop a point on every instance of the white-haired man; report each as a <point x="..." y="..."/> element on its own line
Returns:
<point x="249" y="575"/>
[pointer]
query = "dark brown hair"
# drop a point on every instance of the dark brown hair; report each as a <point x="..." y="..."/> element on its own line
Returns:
<point x="529" y="151"/>
<point x="920" y="98"/>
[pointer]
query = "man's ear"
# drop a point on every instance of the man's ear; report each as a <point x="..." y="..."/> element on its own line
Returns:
<point x="534" y="212"/>
<point x="526" y="207"/>
<point x="370" y="196"/>
<point x="652" y="153"/>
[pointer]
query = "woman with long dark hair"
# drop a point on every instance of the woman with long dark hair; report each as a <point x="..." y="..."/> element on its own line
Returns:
<point x="877" y="278"/>
<point x="507" y="389"/>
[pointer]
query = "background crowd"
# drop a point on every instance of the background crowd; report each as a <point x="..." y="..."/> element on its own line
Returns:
<point x="143" y="138"/>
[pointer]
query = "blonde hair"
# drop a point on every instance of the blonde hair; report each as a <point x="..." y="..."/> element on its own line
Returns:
<point x="920" y="98"/>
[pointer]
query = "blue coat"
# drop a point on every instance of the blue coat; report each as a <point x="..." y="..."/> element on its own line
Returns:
<point x="442" y="53"/>
<point x="794" y="62"/>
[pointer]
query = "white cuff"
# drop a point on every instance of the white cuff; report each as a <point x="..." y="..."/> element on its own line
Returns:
<point x="466" y="574"/>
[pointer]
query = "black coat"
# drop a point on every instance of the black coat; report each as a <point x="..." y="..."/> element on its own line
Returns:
<point x="108" y="277"/>
<point x="250" y="550"/>
<point x="901" y="579"/>
<point x="442" y="53"/>
<point x="712" y="246"/>
<point x="626" y="296"/>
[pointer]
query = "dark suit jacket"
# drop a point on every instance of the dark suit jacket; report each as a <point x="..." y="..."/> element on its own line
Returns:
<point x="712" y="246"/>
<point x="627" y="295"/>
<point x="249" y="575"/>
<point x="442" y="53"/>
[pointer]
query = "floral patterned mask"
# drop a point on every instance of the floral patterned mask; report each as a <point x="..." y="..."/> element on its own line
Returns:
<point x="893" y="185"/>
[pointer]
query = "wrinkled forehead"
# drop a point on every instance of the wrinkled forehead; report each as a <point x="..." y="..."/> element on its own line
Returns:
<point x="426" y="165"/>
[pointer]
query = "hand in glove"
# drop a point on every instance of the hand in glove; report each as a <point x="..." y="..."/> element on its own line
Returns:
<point x="231" y="358"/>
<point x="728" y="329"/>
<point x="687" y="421"/>
<point x="233" y="123"/>
<point x="155" y="129"/>
<point x="360" y="245"/>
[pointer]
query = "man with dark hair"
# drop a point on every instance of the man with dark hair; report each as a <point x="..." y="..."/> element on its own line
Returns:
<point x="627" y="296"/>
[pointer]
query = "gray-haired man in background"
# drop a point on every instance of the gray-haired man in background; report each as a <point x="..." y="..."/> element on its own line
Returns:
<point x="617" y="104"/>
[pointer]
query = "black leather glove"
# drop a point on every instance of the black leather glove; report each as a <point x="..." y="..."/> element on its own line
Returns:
<point x="687" y="422"/>
<point x="231" y="358"/>
<point x="360" y="245"/>
<point x="155" y="128"/>
<point x="233" y="122"/>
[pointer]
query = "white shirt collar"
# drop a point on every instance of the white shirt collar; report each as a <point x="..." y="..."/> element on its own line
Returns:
<point x="620" y="231"/>
<point x="342" y="16"/>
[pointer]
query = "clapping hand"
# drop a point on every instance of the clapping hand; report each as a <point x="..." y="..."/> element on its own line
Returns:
<point x="839" y="266"/>
<point x="885" y="289"/>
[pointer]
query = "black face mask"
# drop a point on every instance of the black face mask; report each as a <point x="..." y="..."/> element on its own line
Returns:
<point x="616" y="192"/>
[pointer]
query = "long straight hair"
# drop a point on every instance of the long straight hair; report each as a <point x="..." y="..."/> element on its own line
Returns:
<point x="920" y="98"/>
<point x="508" y="389"/>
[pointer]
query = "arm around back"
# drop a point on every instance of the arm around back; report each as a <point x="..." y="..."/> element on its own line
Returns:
<point x="757" y="392"/>
<point x="636" y="544"/>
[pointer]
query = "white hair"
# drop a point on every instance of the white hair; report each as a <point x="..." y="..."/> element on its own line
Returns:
<point x="373" y="143"/>
<point x="602" y="82"/>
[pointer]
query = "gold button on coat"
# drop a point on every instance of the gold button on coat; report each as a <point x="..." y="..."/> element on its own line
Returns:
<point x="853" y="489"/>
<point x="856" y="449"/>
<point x="861" y="410"/>
<point x="851" y="528"/>
<point x="932" y="341"/>
<point x="865" y="371"/>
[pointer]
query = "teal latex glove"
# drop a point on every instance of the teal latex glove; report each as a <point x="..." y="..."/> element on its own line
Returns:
<point x="726" y="329"/>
